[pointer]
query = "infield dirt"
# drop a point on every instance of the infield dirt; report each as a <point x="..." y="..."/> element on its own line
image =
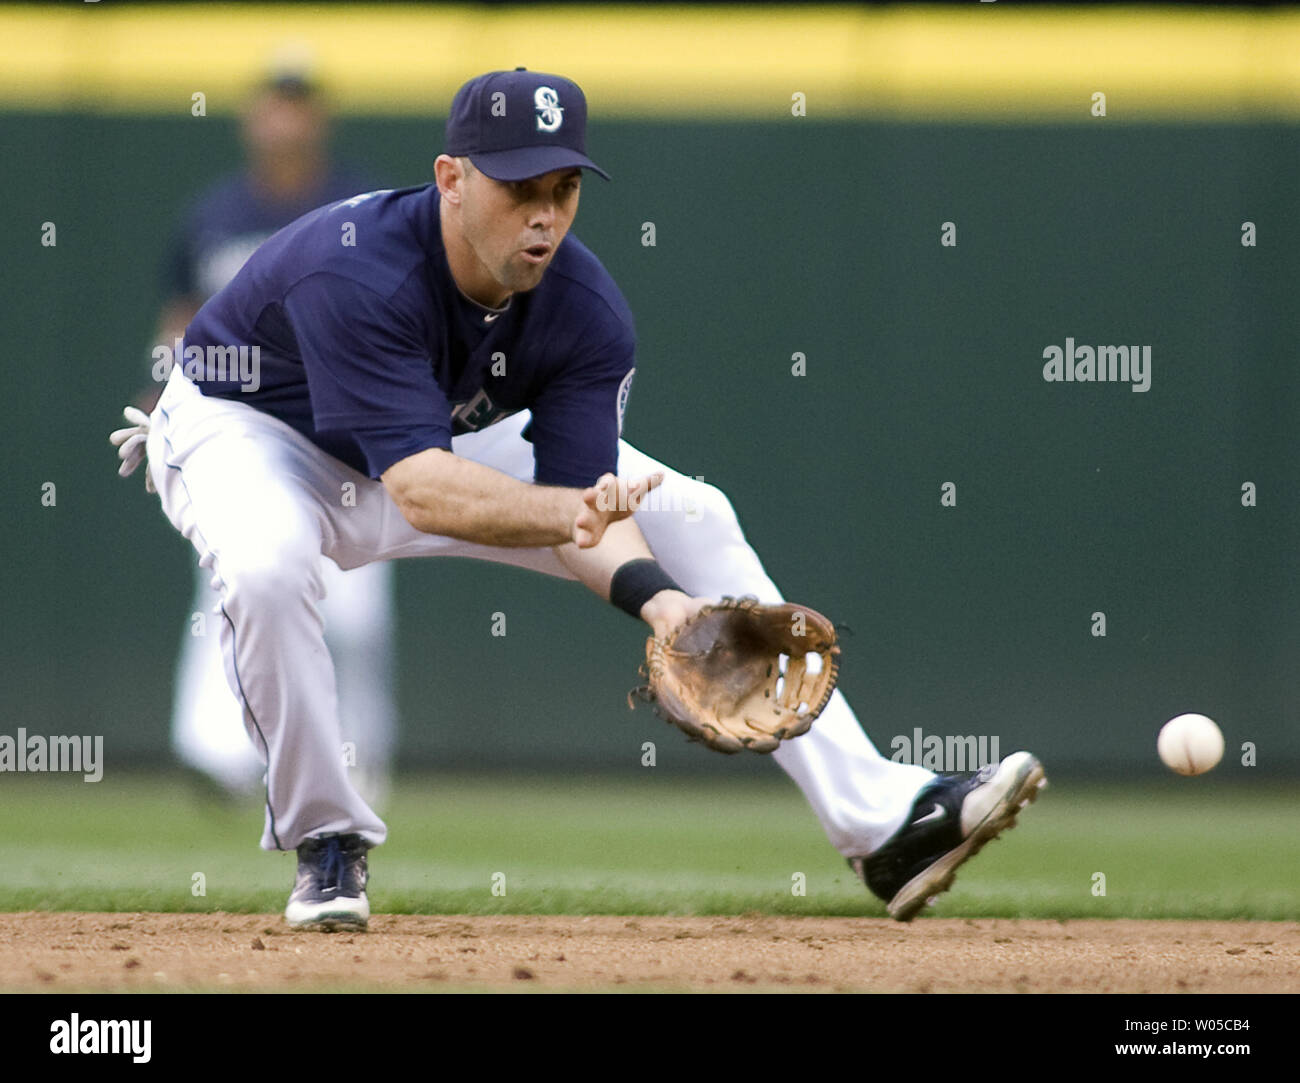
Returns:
<point x="63" y="951"/>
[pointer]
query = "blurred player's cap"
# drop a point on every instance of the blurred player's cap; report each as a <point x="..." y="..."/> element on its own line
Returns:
<point x="290" y="84"/>
<point x="291" y="72"/>
<point x="518" y="124"/>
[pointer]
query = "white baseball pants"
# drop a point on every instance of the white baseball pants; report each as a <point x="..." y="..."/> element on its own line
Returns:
<point x="207" y="720"/>
<point x="261" y="504"/>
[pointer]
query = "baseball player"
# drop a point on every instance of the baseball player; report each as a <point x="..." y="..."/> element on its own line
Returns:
<point x="443" y="372"/>
<point x="288" y="173"/>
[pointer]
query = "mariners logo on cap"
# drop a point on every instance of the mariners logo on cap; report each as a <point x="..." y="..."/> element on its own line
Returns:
<point x="550" y="113"/>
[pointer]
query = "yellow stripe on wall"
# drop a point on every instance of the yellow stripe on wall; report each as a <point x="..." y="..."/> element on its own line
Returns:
<point x="976" y="62"/>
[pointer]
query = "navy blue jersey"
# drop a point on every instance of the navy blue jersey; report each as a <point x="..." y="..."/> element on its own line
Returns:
<point x="229" y="220"/>
<point x="368" y="348"/>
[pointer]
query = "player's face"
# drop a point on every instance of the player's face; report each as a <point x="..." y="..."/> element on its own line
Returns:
<point x="284" y="126"/>
<point x="514" y="227"/>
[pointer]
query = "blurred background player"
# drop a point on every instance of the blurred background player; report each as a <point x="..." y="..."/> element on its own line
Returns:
<point x="288" y="171"/>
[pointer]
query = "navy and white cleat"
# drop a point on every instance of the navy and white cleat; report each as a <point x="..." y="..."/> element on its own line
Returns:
<point x="951" y="820"/>
<point x="330" y="892"/>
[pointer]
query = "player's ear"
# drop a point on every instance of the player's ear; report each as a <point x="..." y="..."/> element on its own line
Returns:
<point x="449" y="175"/>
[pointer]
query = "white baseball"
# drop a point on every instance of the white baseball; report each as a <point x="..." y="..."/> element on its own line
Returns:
<point x="1190" y="744"/>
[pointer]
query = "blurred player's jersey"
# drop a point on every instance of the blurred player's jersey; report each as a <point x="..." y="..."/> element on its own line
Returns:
<point x="367" y="347"/>
<point x="229" y="221"/>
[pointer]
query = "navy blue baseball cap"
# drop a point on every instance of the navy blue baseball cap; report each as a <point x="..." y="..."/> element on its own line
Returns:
<point x="518" y="124"/>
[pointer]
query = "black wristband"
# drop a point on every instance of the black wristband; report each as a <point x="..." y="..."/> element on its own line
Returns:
<point x="636" y="582"/>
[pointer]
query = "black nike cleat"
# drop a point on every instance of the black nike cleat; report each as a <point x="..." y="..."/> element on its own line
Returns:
<point x="330" y="892"/>
<point x="951" y="820"/>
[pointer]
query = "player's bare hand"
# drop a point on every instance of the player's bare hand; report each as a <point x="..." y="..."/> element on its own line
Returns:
<point x="608" y="501"/>
<point x="670" y="608"/>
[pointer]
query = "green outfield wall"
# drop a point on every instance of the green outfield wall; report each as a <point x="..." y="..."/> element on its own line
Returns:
<point x="923" y="365"/>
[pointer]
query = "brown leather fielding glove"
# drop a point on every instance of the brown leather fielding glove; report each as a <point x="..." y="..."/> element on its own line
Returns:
<point x="719" y="676"/>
